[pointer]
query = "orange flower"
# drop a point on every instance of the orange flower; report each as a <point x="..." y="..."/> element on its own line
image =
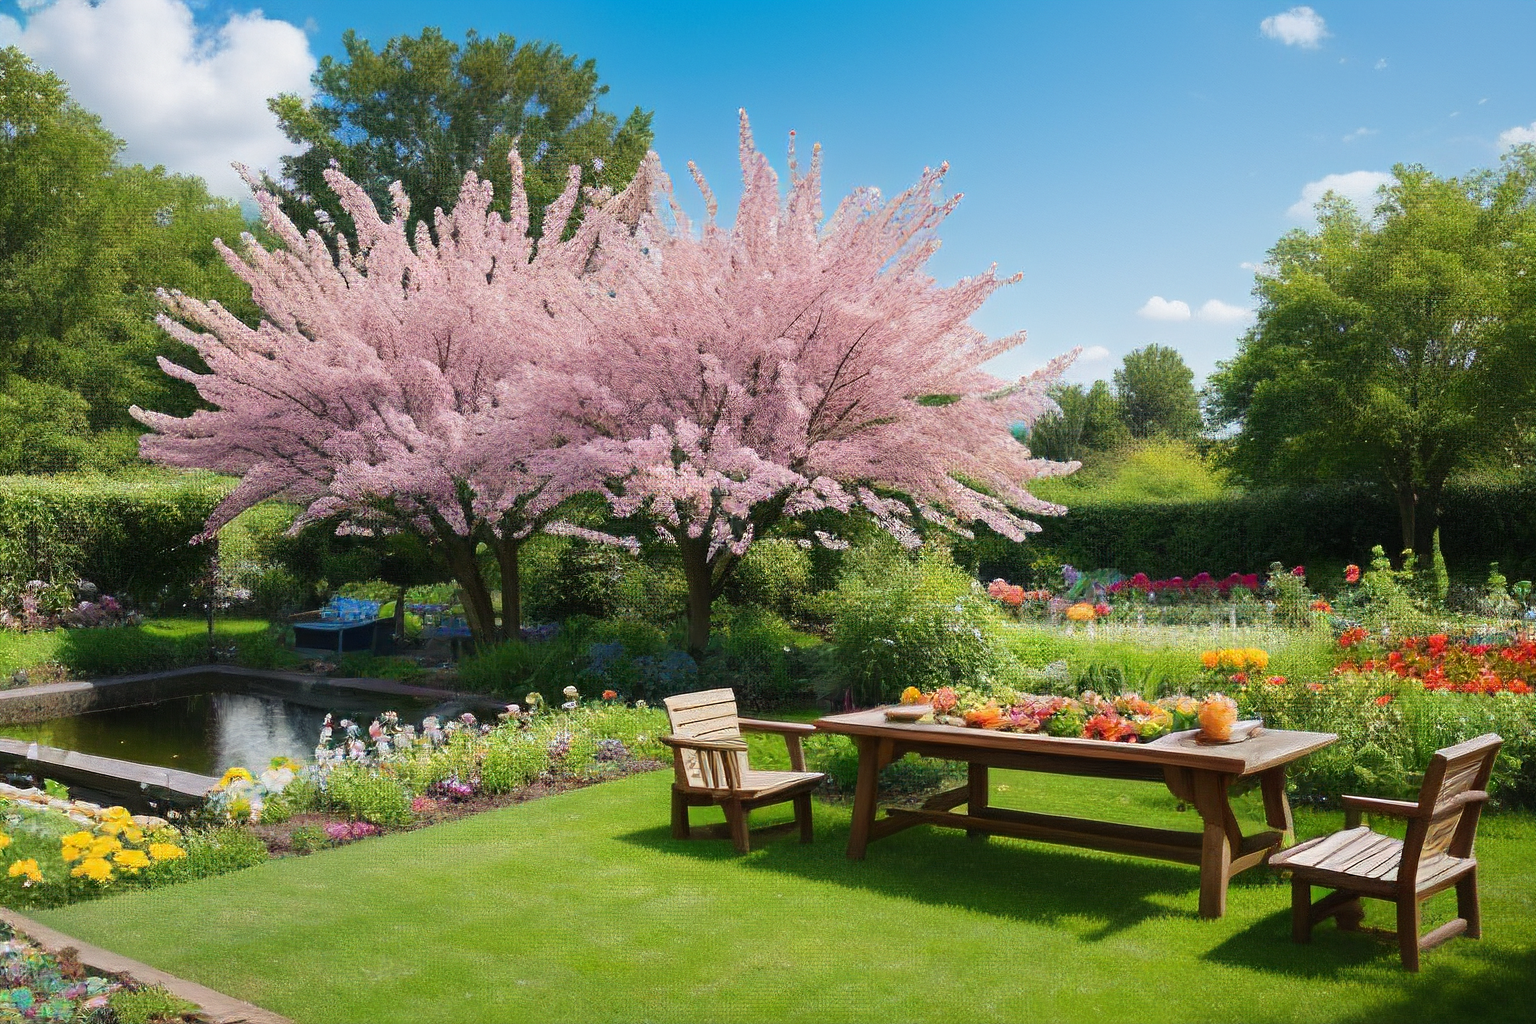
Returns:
<point x="988" y="716"/>
<point x="610" y="694"/>
<point x="1210" y="659"/>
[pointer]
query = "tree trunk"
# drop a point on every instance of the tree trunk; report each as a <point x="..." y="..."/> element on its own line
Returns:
<point x="478" y="609"/>
<point x="1407" y="513"/>
<point x="1425" y="522"/>
<point x="696" y="570"/>
<point x="511" y="594"/>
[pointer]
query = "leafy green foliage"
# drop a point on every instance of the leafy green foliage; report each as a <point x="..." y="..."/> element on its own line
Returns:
<point x="424" y="111"/>
<point x="150" y="1004"/>
<point x="1089" y="423"/>
<point x="1395" y="349"/>
<point x="357" y="790"/>
<point x="775" y="573"/>
<point x="84" y="243"/>
<point x="1156" y="392"/>
<point x="900" y="621"/>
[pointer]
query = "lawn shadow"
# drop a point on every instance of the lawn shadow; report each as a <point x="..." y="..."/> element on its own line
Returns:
<point x="1266" y="945"/>
<point x="1489" y="988"/>
<point x="996" y="876"/>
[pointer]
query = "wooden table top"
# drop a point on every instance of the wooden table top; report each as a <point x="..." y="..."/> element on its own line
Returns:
<point x="1270" y="748"/>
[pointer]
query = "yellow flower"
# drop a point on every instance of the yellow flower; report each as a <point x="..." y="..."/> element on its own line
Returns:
<point x="116" y="814"/>
<point x="131" y="860"/>
<point x="103" y="847"/>
<point x="94" y="868"/>
<point x="166" y="851"/>
<point x="28" y="868"/>
<point x="5" y="840"/>
<point x="1258" y="659"/>
<point x="911" y="695"/>
<point x="236" y="773"/>
<point x="1082" y="611"/>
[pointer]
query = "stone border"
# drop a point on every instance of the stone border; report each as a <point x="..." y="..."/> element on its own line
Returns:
<point x="216" y="1006"/>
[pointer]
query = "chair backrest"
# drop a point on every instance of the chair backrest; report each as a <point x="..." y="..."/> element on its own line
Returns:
<point x="1452" y="772"/>
<point x="706" y="715"/>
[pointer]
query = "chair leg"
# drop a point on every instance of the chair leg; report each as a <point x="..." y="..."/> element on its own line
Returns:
<point x="736" y="817"/>
<point x="679" y="816"/>
<point x="803" y="816"/>
<point x="1301" y="910"/>
<point x="1408" y="931"/>
<point x="1466" y="905"/>
<point x="1350" y="915"/>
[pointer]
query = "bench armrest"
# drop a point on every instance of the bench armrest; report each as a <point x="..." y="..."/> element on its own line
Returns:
<point x="786" y="728"/>
<point x="692" y="744"/>
<point x="1377" y="805"/>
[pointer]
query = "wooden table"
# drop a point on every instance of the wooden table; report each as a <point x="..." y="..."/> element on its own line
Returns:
<point x="1197" y="774"/>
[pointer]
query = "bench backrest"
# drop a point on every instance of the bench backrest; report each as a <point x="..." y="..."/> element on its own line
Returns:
<point x="1452" y="772"/>
<point x="706" y="715"/>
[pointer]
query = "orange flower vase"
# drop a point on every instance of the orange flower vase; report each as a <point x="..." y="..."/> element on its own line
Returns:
<point x="1217" y="716"/>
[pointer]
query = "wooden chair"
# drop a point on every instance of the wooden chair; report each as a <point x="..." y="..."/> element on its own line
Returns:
<point x="711" y="764"/>
<point x="1435" y="854"/>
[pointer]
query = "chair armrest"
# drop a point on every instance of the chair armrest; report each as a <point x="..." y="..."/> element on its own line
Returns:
<point x="693" y="744"/>
<point x="1457" y="802"/>
<point x="1377" y="805"/>
<point x="786" y="728"/>
<point x="791" y="731"/>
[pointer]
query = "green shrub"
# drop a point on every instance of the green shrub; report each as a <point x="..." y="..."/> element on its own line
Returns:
<point x="213" y="851"/>
<point x="128" y="535"/>
<point x="504" y="670"/>
<point x="362" y="665"/>
<point x="151" y="1004"/>
<point x="900" y="621"/>
<point x="166" y="643"/>
<point x="774" y="573"/>
<point x="354" y="789"/>
<point x="308" y="839"/>
<point x="512" y="762"/>
<point x="758" y="655"/>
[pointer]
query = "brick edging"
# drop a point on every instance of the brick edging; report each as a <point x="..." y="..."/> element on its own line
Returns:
<point x="216" y="1006"/>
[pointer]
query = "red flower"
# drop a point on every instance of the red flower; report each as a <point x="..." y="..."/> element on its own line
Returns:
<point x="610" y="694"/>
<point x="1351" y="573"/>
<point x="1240" y="678"/>
<point x="1300" y="570"/>
<point x="1276" y="680"/>
<point x="1101" y="610"/>
<point x="1321" y="606"/>
<point x="1315" y="687"/>
<point x="1384" y="700"/>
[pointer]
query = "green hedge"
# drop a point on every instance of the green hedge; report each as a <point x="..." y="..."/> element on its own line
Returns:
<point x="1482" y="520"/>
<point x="128" y="535"/>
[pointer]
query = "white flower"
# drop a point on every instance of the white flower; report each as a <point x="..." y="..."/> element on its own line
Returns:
<point x="569" y="705"/>
<point x="513" y="709"/>
<point x="571" y="692"/>
<point x="641" y="705"/>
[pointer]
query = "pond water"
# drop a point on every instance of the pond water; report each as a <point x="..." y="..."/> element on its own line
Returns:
<point x="210" y="732"/>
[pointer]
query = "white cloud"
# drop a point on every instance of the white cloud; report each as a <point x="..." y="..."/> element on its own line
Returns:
<point x="1092" y="354"/>
<point x="1359" y="187"/>
<point x="1381" y="64"/>
<point x="1521" y="133"/>
<point x="1159" y="308"/>
<point x="1220" y="312"/>
<point x="1360" y="133"/>
<point x="189" y="97"/>
<point x="1299" y="26"/>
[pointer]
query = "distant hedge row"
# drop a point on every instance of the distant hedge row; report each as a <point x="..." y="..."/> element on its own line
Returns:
<point x="129" y="536"/>
<point x="1482" y="521"/>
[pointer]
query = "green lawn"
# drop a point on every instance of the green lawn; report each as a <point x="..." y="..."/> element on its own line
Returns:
<point x="153" y="644"/>
<point x="581" y="907"/>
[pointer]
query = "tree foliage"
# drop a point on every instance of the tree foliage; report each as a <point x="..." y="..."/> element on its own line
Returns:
<point x="1400" y="348"/>
<point x="463" y="383"/>
<point x="1156" y="391"/>
<point x="424" y="111"/>
<point x="1087" y="424"/>
<point x="84" y="243"/>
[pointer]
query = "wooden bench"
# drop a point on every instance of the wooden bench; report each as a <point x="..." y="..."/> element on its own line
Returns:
<point x="1435" y="854"/>
<point x="710" y="761"/>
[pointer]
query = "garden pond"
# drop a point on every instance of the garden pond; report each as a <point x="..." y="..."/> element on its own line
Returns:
<point x="210" y="732"/>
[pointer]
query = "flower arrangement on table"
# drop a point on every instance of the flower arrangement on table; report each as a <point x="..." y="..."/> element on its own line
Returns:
<point x="1127" y="718"/>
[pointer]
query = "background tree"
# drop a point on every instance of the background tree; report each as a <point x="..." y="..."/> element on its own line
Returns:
<point x="1156" y="391"/>
<point x="424" y="111"/>
<point x="1088" y="423"/>
<point x="1400" y="348"/>
<point x="84" y="243"/>
<point x="758" y="373"/>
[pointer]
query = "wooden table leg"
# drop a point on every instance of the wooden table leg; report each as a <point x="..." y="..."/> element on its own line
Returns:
<point x="1277" y="806"/>
<point x="864" y="796"/>
<point x="978" y="795"/>
<point x="1221" y="839"/>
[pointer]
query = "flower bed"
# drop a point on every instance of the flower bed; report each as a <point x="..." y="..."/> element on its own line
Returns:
<point x="54" y="987"/>
<point x="1440" y="663"/>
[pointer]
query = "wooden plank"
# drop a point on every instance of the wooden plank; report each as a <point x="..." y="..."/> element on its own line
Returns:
<point x="703" y="713"/>
<point x="1277" y="806"/>
<point x="947" y="799"/>
<point x="1112" y="837"/>
<point x="1449" y="930"/>
<point x="684" y="701"/>
<point x="864" y="798"/>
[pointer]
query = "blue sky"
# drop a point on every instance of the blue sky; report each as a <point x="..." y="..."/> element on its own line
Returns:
<point x="1110" y="152"/>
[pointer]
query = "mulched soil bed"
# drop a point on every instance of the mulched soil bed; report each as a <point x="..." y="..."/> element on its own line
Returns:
<point x="279" y="837"/>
